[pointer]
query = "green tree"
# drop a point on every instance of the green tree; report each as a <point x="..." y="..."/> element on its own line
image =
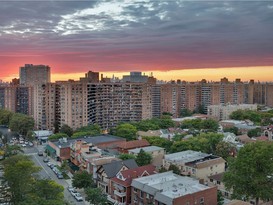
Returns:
<point x="185" y="113"/>
<point x="224" y="149"/>
<point x="233" y="130"/>
<point x="127" y="156"/>
<point x="209" y="125"/>
<point x="67" y="130"/>
<point x="95" y="196"/>
<point x="82" y="180"/>
<point x="5" y="116"/>
<point x="19" y="173"/>
<point x="21" y="123"/>
<point x="174" y="168"/>
<point x="162" y="169"/>
<point x="250" y="174"/>
<point x="220" y="198"/>
<point x="143" y="158"/>
<point x="126" y="130"/>
<point x="94" y="129"/>
<point x="58" y="136"/>
<point x="254" y="132"/>
<point x="64" y="166"/>
<point x="160" y="142"/>
<point x="11" y="150"/>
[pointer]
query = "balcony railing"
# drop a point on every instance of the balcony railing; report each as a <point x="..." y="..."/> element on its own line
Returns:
<point x="120" y="194"/>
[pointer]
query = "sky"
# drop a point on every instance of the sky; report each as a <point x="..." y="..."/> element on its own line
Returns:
<point x="174" y="39"/>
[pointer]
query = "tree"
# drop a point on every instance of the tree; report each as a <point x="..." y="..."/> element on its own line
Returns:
<point x="21" y="123"/>
<point x="250" y="174"/>
<point x="160" y="142"/>
<point x="185" y="113"/>
<point x="224" y="150"/>
<point x="67" y="130"/>
<point x="82" y="180"/>
<point x="64" y="166"/>
<point x="19" y="173"/>
<point x="95" y="196"/>
<point x="94" y="129"/>
<point x="162" y="169"/>
<point x="12" y="150"/>
<point x="126" y="130"/>
<point x="127" y="156"/>
<point x="220" y="198"/>
<point x="5" y="116"/>
<point x="233" y="130"/>
<point x="58" y="136"/>
<point x="143" y="158"/>
<point x="174" y="168"/>
<point x="254" y="132"/>
<point x="209" y="125"/>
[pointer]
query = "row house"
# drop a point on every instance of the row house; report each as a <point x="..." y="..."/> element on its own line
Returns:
<point x="196" y="164"/>
<point x="120" y="185"/>
<point x="110" y="170"/>
<point x="171" y="189"/>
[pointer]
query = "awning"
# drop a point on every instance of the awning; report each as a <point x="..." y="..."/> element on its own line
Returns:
<point x="50" y="149"/>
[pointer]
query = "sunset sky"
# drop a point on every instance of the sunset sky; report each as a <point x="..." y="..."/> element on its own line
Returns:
<point x="174" y="39"/>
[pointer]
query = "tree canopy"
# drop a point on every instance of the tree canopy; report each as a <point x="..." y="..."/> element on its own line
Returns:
<point x="5" y="116"/>
<point x="250" y="174"/>
<point x="160" y="142"/>
<point x="91" y="130"/>
<point x="126" y="130"/>
<point x="82" y="180"/>
<point x="95" y="196"/>
<point x="21" y="123"/>
<point x="143" y="158"/>
<point x="67" y="130"/>
<point x="208" y="125"/>
<point x="127" y="156"/>
<point x="58" y="136"/>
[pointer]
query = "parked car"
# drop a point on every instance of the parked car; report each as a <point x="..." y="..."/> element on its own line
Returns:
<point x="23" y="145"/>
<point x="46" y="160"/>
<point x="52" y="166"/>
<point x="73" y="192"/>
<point x="60" y="176"/>
<point x="30" y="144"/>
<point x="49" y="164"/>
<point x="78" y="197"/>
<point x="40" y="153"/>
<point x="70" y="188"/>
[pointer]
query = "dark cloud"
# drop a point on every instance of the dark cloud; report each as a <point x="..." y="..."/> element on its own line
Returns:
<point x="119" y="34"/>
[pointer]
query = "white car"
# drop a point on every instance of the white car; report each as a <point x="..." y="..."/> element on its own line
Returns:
<point x="70" y="189"/>
<point x="73" y="192"/>
<point x="78" y="197"/>
<point x="23" y="145"/>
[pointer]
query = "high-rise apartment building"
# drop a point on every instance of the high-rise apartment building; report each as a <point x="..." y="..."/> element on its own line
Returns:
<point x="34" y="74"/>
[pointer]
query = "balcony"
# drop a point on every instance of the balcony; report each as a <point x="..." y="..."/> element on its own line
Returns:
<point x="120" y="194"/>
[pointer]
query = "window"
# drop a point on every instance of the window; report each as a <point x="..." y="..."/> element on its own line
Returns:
<point x="218" y="182"/>
<point x="201" y="200"/>
<point x="211" y="180"/>
<point x="141" y="194"/>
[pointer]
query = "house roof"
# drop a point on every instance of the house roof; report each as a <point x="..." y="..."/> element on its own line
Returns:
<point x="206" y="163"/>
<point x="134" y="144"/>
<point x="131" y="174"/>
<point x="217" y="177"/>
<point x="262" y="138"/>
<point x="111" y="169"/>
<point x="146" y="149"/>
<point x="149" y="133"/>
<point x="245" y="139"/>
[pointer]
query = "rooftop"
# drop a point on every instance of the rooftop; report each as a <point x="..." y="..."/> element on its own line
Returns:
<point x="168" y="186"/>
<point x="185" y="156"/>
<point x="95" y="140"/>
<point x="134" y="144"/>
<point x="146" y="149"/>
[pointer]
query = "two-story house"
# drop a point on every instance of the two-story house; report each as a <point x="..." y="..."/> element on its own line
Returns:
<point x="121" y="184"/>
<point x="110" y="170"/>
<point x="196" y="164"/>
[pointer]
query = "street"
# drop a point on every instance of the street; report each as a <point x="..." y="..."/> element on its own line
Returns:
<point x="46" y="172"/>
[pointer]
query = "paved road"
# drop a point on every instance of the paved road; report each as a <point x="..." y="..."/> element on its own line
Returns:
<point x="46" y="172"/>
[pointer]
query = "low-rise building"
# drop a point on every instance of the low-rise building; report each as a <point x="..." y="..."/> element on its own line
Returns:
<point x="171" y="189"/>
<point x="125" y="146"/>
<point x="110" y="170"/>
<point x="121" y="184"/>
<point x="196" y="164"/>
<point x="156" y="152"/>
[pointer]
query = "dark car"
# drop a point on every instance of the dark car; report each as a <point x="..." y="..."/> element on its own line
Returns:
<point x="40" y="153"/>
<point x="46" y="160"/>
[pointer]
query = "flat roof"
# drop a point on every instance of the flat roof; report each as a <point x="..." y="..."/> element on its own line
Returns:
<point x="185" y="156"/>
<point x="91" y="139"/>
<point x="146" y="149"/>
<point x="167" y="186"/>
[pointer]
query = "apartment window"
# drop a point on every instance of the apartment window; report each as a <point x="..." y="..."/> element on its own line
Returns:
<point x="141" y="194"/>
<point x="135" y="190"/>
<point x="202" y="201"/>
<point x="218" y="182"/>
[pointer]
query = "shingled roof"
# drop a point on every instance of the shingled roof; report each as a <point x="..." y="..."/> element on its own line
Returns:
<point x="111" y="169"/>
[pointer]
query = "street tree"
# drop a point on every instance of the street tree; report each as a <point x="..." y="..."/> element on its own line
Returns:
<point x="58" y="136"/>
<point x="19" y="172"/>
<point x="143" y="158"/>
<point x="5" y="117"/>
<point x="254" y="132"/>
<point x="11" y="150"/>
<point x="21" y="123"/>
<point x="67" y="130"/>
<point x="82" y="180"/>
<point x="224" y="150"/>
<point x="126" y="130"/>
<point x="249" y="175"/>
<point x="95" y="196"/>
